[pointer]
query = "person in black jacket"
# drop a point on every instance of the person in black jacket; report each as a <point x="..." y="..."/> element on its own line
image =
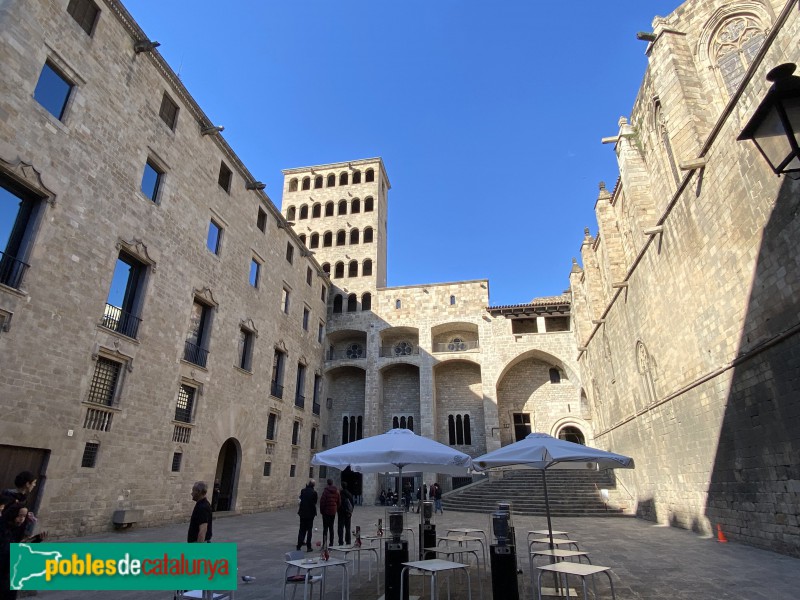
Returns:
<point x="345" y="512"/>
<point x="307" y="512"/>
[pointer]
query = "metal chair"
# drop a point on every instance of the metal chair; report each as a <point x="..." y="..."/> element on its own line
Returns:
<point x="298" y="577"/>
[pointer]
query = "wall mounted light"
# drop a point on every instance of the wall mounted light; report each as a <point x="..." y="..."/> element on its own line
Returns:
<point x="775" y="126"/>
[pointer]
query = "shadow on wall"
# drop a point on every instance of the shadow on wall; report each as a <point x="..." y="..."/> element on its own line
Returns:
<point x="755" y="480"/>
<point x="646" y="509"/>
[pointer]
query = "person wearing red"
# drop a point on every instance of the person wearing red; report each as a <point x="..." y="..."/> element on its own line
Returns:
<point x="329" y="506"/>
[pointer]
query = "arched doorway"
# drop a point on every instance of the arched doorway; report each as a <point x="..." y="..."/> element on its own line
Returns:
<point x="227" y="475"/>
<point x="354" y="483"/>
<point x="572" y="434"/>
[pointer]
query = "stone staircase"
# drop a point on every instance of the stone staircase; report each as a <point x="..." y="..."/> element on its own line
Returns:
<point x="571" y="493"/>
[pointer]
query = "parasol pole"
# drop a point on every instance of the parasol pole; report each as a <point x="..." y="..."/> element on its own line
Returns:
<point x="549" y="528"/>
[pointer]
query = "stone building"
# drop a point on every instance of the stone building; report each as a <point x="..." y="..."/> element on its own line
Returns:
<point x="162" y="322"/>
<point x="686" y="305"/>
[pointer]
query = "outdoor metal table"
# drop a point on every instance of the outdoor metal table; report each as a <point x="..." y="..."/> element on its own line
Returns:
<point x="358" y="550"/>
<point x="556" y="542"/>
<point x="469" y="531"/>
<point x="309" y="564"/>
<point x="541" y="532"/>
<point x="558" y="554"/>
<point x="579" y="570"/>
<point x="464" y="538"/>
<point x="449" y="552"/>
<point x="433" y="567"/>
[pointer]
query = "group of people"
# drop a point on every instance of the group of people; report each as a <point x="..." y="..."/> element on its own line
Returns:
<point x="335" y="505"/>
<point x="16" y="525"/>
<point x="389" y="498"/>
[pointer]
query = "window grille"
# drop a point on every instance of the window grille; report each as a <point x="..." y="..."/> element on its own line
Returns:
<point x="168" y="111"/>
<point x="104" y="381"/>
<point x="267" y="469"/>
<point x="183" y="410"/>
<point x="89" y="458"/>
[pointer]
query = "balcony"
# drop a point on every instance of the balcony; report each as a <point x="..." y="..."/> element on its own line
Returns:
<point x="346" y="354"/>
<point x="195" y="354"/>
<point x="11" y="270"/>
<point x="116" y="319"/>
<point x="399" y="350"/>
<point x="299" y="400"/>
<point x="456" y="346"/>
<point x="276" y="389"/>
<point x="316" y="408"/>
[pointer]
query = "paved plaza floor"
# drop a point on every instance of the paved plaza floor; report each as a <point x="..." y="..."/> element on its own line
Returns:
<point x="649" y="561"/>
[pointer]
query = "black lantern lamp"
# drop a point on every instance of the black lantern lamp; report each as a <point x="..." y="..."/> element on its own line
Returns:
<point x="396" y="524"/>
<point x="775" y="126"/>
<point x="501" y="524"/>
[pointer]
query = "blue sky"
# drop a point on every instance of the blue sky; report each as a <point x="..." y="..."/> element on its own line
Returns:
<point x="488" y="115"/>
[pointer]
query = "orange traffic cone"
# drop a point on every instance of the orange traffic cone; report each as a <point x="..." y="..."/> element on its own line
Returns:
<point x="721" y="536"/>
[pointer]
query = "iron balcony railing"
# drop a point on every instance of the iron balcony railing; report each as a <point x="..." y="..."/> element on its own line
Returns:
<point x="348" y="354"/>
<point x="116" y="319"/>
<point x="399" y="350"/>
<point x="11" y="270"/>
<point x="195" y="354"/>
<point x="456" y="346"/>
<point x="276" y="389"/>
<point x="299" y="400"/>
<point x="316" y="408"/>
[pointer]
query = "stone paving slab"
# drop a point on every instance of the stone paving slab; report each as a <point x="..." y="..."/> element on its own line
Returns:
<point x="649" y="561"/>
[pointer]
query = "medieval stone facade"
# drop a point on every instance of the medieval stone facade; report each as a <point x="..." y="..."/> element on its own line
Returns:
<point x="686" y="304"/>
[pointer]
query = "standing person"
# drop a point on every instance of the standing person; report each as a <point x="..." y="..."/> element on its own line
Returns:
<point x="345" y="513"/>
<point x="329" y="506"/>
<point x="200" y="523"/>
<point x="25" y="481"/>
<point x="407" y="496"/>
<point x="307" y="512"/>
<point x="424" y="491"/>
<point x="419" y="501"/>
<point x="437" y="497"/>
<point x="12" y="531"/>
<point x="215" y="495"/>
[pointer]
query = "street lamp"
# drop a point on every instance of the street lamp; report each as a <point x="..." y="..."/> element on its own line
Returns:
<point x="775" y="126"/>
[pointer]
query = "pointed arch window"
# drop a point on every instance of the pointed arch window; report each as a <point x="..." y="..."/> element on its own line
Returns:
<point x="555" y="375"/>
<point x="734" y="47"/>
<point x="660" y="124"/>
<point x="647" y="369"/>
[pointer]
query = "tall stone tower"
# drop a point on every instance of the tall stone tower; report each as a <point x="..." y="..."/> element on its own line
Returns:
<point x="340" y="211"/>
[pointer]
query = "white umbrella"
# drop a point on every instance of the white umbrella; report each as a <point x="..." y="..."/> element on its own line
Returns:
<point x="395" y="450"/>
<point x="543" y="452"/>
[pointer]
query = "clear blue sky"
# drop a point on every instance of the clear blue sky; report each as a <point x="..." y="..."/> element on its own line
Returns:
<point x="488" y="115"/>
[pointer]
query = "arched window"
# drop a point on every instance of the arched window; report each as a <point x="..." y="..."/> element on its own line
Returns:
<point x="337" y="304"/>
<point x="402" y="422"/>
<point x="293" y="185"/>
<point x="458" y="430"/>
<point x="395" y="423"/>
<point x="467" y="431"/>
<point x="345" y="429"/>
<point x="451" y="430"/>
<point x="341" y="237"/>
<point x="329" y="209"/>
<point x="368" y="235"/>
<point x="327" y="268"/>
<point x="452" y="300"/>
<point x="306" y="183"/>
<point x="366" y="268"/>
<point x="338" y="270"/>
<point x="354" y="236"/>
<point x="304" y="211"/>
<point x="410" y="423"/>
<point x="331" y="180"/>
<point x="397" y="303"/>
<point x="555" y="375"/>
<point x="359" y="428"/>
<point x="316" y="211"/>
<point x="647" y="369"/>
<point x="366" y="301"/>
<point x="369" y="176"/>
<point x="317" y="182"/>
<point x="352" y="269"/>
<point x="734" y="47"/>
<point x="660" y="124"/>
<point x="342" y="207"/>
<point x="356" y="176"/>
<point x="343" y="178"/>
<point x="290" y="213"/>
<point x="355" y="206"/>
<point x="368" y="202"/>
<point x="352" y="303"/>
<point x="302" y="237"/>
<point x="314" y="240"/>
